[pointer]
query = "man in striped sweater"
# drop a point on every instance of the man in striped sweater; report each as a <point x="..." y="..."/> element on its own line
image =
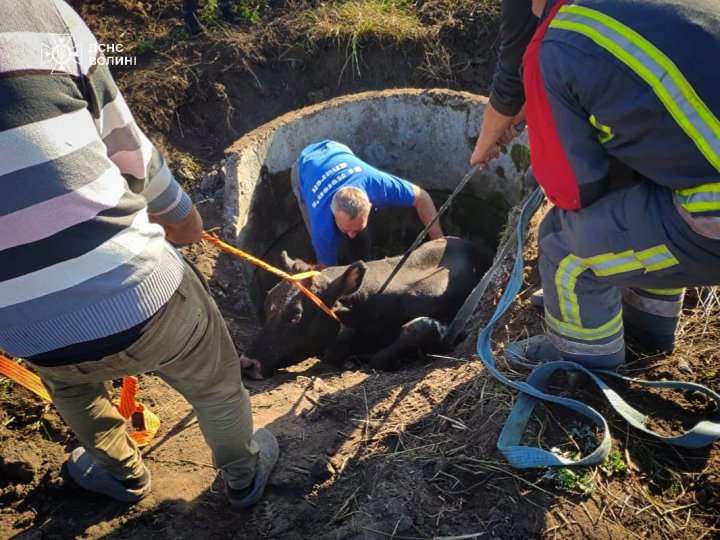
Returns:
<point x="90" y="290"/>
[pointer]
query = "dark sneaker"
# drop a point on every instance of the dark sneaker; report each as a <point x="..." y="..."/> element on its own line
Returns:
<point x="267" y="458"/>
<point x="192" y="24"/>
<point x="89" y="474"/>
<point x="229" y="15"/>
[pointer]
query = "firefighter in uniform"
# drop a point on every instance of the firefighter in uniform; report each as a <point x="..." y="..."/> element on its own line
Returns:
<point x="634" y="81"/>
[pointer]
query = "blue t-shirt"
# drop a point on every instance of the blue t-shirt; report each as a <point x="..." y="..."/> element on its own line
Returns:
<point x="327" y="166"/>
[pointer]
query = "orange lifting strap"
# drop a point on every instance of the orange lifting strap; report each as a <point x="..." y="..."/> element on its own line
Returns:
<point x="294" y="279"/>
<point x="14" y="371"/>
<point x="146" y="422"/>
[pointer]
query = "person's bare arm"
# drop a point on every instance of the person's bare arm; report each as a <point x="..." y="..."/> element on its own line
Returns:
<point x="426" y="211"/>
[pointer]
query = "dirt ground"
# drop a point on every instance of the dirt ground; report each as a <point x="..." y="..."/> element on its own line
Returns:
<point x="365" y="455"/>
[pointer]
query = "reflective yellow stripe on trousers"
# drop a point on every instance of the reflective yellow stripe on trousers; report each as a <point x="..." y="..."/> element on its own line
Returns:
<point x="607" y="264"/>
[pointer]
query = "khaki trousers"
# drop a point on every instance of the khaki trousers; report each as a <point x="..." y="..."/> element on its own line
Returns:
<point x="190" y="348"/>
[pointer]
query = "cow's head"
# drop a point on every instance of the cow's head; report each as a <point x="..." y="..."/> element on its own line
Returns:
<point x="296" y="328"/>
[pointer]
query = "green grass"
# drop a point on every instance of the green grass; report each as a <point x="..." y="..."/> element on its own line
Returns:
<point x="614" y="465"/>
<point x="570" y="480"/>
<point x="209" y="11"/>
<point x="358" y="21"/>
<point x="579" y="481"/>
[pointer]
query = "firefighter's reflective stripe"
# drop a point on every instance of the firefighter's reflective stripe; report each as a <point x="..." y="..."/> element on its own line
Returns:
<point x="606" y="134"/>
<point x="654" y="67"/>
<point x="667" y="307"/>
<point x="655" y="258"/>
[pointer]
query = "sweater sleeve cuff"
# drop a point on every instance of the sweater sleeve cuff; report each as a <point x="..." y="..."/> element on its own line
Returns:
<point x="178" y="212"/>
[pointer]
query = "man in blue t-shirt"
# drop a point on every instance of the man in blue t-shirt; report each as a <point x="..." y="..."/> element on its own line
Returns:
<point x="336" y="192"/>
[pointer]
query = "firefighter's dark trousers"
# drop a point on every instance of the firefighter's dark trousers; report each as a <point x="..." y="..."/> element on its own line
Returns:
<point x="621" y="264"/>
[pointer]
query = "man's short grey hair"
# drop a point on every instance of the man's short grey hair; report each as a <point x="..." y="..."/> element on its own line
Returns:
<point x="351" y="200"/>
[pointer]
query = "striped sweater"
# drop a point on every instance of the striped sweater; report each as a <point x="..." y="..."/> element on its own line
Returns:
<point x="78" y="182"/>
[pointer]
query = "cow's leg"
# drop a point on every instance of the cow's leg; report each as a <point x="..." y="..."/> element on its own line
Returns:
<point x="349" y="343"/>
<point x="420" y="333"/>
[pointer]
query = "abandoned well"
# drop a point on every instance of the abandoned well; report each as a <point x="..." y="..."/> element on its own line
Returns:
<point x="424" y="136"/>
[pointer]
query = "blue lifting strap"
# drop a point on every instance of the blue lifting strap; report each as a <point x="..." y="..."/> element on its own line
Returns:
<point x="702" y="434"/>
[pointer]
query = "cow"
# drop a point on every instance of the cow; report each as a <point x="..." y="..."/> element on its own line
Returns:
<point x="411" y="313"/>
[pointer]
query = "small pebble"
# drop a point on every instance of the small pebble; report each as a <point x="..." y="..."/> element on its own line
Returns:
<point x="684" y="367"/>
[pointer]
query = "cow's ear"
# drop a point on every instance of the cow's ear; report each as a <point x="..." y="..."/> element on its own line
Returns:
<point x="347" y="283"/>
<point x="294" y="266"/>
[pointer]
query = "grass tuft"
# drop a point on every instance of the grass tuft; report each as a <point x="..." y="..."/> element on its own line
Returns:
<point x="356" y="22"/>
<point x="358" y="19"/>
<point x="570" y="480"/>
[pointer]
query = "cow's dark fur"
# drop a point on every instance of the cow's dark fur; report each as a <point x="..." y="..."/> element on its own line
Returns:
<point x="411" y="313"/>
